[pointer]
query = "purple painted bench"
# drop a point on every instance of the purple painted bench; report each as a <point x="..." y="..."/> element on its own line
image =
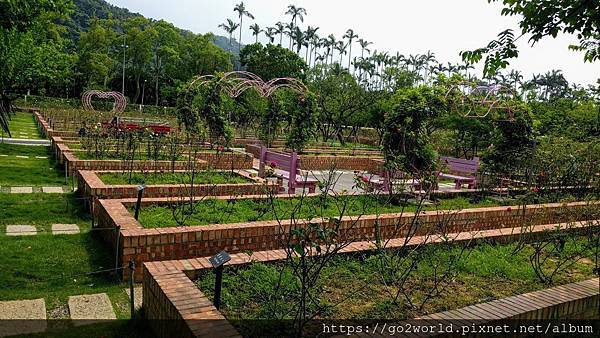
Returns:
<point x="287" y="168"/>
<point x="460" y="170"/>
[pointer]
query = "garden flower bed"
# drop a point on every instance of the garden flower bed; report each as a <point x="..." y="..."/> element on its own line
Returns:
<point x="349" y="285"/>
<point x="130" y="240"/>
<point x="353" y="286"/>
<point x="116" y="184"/>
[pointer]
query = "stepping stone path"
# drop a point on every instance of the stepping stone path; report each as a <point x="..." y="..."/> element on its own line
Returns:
<point x="138" y="297"/>
<point x="21" y="190"/>
<point x="89" y="309"/>
<point x="20" y="230"/>
<point x="65" y="229"/>
<point x="52" y="190"/>
<point x="31" y="315"/>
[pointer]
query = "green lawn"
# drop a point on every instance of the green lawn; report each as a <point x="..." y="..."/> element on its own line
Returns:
<point x="213" y="211"/>
<point x="30" y="171"/>
<point x="42" y="210"/>
<point x="22" y="125"/>
<point x="352" y="286"/>
<point x="209" y="177"/>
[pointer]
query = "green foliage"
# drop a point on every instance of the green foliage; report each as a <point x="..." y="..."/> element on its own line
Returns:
<point x="541" y="19"/>
<point x="272" y="61"/>
<point x="303" y="122"/>
<point x="339" y="99"/>
<point x="511" y="151"/>
<point x="406" y="142"/>
<point x="567" y="118"/>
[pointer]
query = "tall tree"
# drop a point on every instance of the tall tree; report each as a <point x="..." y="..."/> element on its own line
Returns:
<point x="255" y="28"/>
<point x="350" y="36"/>
<point x="229" y="27"/>
<point x="242" y="12"/>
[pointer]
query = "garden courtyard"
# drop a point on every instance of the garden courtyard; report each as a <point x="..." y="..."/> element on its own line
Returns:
<point x="156" y="182"/>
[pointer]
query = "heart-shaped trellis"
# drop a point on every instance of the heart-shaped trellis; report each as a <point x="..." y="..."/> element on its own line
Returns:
<point x="236" y="82"/>
<point x="119" y="105"/>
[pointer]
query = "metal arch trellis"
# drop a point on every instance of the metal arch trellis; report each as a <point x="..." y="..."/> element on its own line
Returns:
<point x="479" y="101"/>
<point x="120" y="101"/>
<point x="236" y="82"/>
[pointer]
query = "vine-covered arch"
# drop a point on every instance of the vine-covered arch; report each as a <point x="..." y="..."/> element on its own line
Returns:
<point x="236" y="82"/>
<point x="479" y="101"/>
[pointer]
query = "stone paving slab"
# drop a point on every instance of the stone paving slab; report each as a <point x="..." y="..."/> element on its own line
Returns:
<point x="20" y="230"/>
<point x="41" y="157"/>
<point x="52" y="190"/>
<point x="2" y="155"/>
<point x="19" y="156"/>
<point x="89" y="309"/>
<point x="22" y="317"/>
<point x="21" y="190"/>
<point x="65" y="229"/>
<point x="137" y="296"/>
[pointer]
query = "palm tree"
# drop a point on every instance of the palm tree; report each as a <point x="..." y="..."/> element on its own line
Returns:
<point x="241" y="10"/>
<point x="350" y="36"/>
<point x="341" y="48"/>
<point x="309" y="39"/>
<point x="296" y="13"/>
<point x="229" y="27"/>
<point x="298" y="37"/>
<point x="289" y="31"/>
<point x="280" y="29"/>
<point x="364" y="45"/>
<point x="331" y="43"/>
<point x="255" y="28"/>
<point x="270" y="33"/>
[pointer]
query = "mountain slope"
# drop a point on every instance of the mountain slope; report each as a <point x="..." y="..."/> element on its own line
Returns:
<point x="85" y="10"/>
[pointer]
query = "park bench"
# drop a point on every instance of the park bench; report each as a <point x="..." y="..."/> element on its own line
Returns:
<point x="461" y="171"/>
<point x="285" y="167"/>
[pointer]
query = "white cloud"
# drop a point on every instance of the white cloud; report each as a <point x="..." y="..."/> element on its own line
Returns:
<point x="407" y="26"/>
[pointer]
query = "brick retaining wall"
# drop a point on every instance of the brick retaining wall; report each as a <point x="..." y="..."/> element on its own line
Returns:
<point x="143" y="245"/>
<point x="173" y="303"/>
<point x="324" y="162"/>
<point x="90" y="185"/>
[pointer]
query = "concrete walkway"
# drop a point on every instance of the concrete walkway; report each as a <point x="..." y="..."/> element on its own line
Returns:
<point x="26" y="142"/>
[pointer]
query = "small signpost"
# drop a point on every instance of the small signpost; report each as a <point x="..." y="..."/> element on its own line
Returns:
<point x="138" y="203"/>
<point x="217" y="261"/>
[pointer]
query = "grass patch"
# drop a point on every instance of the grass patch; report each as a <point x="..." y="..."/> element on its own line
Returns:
<point x="22" y="125"/>
<point x="213" y="211"/>
<point x="351" y="286"/>
<point x="30" y="171"/>
<point x="42" y="210"/>
<point x="203" y="177"/>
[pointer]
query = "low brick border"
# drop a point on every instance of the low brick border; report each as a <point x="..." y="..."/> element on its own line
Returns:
<point x="129" y="240"/>
<point x="90" y="185"/>
<point x="173" y="302"/>
<point x="223" y="161"/>
<point x="338" y="162"/>
<point x="581" y="299"/>
<point x="46" y="127"/>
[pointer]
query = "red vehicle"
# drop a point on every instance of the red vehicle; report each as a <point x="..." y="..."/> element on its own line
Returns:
<point x="133" y="124"/>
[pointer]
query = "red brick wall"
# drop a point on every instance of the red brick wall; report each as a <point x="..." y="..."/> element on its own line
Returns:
<point x="90" y="185"/>
<point x="323" y="162"/>
<point x="143" y="245"/>
<point x="173" y="303"/>
<point x="223" y="161"/>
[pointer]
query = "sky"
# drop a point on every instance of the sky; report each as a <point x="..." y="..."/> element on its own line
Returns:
<point x="444" y="27"/>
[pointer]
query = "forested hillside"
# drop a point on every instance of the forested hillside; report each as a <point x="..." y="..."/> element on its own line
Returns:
<point x="86" y="10"/>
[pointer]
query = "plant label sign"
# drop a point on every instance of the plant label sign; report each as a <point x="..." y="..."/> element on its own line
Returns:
<point x="219" y="259"/>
